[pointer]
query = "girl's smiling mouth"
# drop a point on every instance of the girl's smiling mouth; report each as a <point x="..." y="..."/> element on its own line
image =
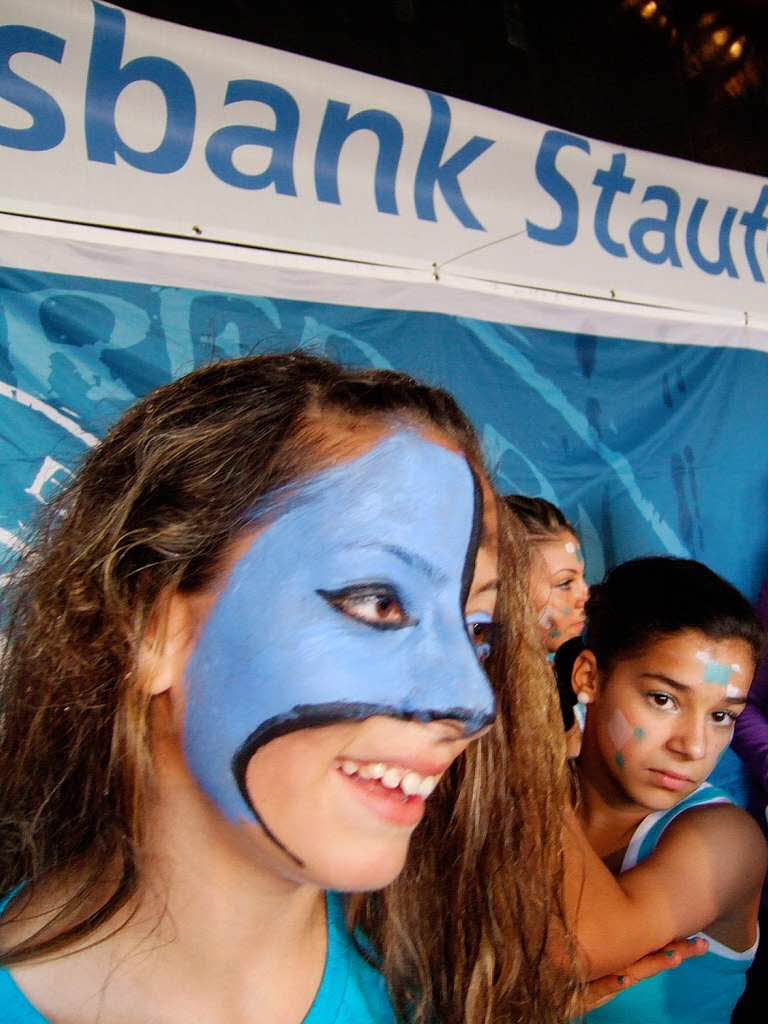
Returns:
<point x="393" y="791"/>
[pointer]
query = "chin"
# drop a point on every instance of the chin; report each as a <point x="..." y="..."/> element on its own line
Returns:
<point x="657" y="799"/>
<point x="355" y="878"/>
<point x="359" y="873"/>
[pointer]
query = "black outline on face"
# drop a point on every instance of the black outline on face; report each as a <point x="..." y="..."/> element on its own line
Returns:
<point x="311" y="716"/>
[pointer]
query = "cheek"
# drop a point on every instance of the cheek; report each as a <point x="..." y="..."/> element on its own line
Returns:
<point x="292" y="766"/>
<point x="294" y="783"/>
<point x="629" y="732"/>
<point x="620" y="734"/>
<point x="619" y="729"/>
<point x="556" y="614"/>
<point x="721" y="740"/>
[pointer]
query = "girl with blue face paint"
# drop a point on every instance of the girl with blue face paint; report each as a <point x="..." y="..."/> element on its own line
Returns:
<point x="258" y="659"/>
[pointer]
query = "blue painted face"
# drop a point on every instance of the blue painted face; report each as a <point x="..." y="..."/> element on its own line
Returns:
<point x="349" y="604"/>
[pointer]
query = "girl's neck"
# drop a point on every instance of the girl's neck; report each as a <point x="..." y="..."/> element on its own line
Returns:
<point x="214" y="933"/>
<point x="205" y="874"/>
<point x="608" y="815"/>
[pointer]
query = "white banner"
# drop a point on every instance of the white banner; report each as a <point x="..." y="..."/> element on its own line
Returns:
<point x="111" y="118"/>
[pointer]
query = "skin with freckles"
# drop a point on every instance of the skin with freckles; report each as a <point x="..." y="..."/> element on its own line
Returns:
<point x="563" y="617"/>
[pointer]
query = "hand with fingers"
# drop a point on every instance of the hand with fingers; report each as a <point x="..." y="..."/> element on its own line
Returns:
<point x="603" y="990"/>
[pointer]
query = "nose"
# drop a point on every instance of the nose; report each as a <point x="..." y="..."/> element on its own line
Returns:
<point x="448" y="683"/>
<point x="689" y="738"/>
<point x="582" y="594"/>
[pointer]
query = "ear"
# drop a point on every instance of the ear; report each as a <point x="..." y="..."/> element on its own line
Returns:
<point x="585" y="677"/>
<point x="168" y="641"/>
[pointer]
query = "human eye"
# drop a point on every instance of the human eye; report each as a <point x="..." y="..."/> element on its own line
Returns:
<point x="659" y="699"/>
<point x="564" y="585"/>
<point x="724" y="718"/>
<point x="375" y="604"/>
<point x="482" y="631"/>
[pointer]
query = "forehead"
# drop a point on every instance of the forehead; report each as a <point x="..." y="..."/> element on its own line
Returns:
<point x="562" y="551"/>
<point x="405" y="491"/>
<point x="711" y="669"/>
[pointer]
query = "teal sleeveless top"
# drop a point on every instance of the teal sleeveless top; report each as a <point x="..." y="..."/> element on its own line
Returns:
<point x="703" y="990"/>
<point x="351" y="991"/>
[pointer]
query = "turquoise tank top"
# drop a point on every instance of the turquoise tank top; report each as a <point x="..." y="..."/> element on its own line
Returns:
<point x="701" y="991"/>
<point x="351" y="991"/>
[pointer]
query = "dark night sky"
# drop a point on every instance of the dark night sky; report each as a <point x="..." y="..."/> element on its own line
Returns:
<point x="597" y="68"/>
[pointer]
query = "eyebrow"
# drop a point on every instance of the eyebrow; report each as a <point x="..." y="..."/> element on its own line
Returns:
<point x="490" y="585"/>
<point x="413" y="560"/>
<point x="682" y="688"/>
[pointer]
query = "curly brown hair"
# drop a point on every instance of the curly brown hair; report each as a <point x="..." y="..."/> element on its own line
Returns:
<point x="462" y="935"/>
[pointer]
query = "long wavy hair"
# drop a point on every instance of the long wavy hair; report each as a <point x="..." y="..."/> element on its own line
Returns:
<point x="463" y="935"/>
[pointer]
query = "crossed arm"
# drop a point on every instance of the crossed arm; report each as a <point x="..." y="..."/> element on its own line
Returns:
<point x="707" y="868"/>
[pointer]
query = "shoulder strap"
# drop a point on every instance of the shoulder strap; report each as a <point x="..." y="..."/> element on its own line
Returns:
<point x="650" y="829"/>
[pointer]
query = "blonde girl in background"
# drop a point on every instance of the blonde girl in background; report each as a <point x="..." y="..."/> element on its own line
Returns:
<point x="559" y="592"/>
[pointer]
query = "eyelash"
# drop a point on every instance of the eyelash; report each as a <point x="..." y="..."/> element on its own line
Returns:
<point x="482" y="634"/>
<point x="362" y="602"/>
<point x="355" y="602"/>
<point x="729" y="715"/>
<point x="652" y="695"/>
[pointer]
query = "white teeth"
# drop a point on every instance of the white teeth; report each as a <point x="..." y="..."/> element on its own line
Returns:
<point x="391" y="778"/>
<point x="411" y="784"/>
<point x="427" y="786"/>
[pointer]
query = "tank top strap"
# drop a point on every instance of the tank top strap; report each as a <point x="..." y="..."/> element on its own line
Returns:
<point x="652" y="827"/>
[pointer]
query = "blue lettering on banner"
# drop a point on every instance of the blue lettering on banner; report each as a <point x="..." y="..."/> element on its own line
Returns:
<point x="754" y="221"/>
<point x="611" y="181"/>
<point x="107" y="79"/>
<point x="724" y="262"/>
<point x="431" y="172"/>
<point x="281" y="140"/>
<point x="47" y="128"/>
<point x="653" y="239"/>
<point x="557" y="186"/>
<point x="336" y="129"/>
<point x="664" y="226"/>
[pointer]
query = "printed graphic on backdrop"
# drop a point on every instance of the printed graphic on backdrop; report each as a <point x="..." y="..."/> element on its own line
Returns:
<point x="647" y="447"/>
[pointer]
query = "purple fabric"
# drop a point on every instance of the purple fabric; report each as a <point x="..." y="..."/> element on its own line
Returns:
<point x="750" y="738"/>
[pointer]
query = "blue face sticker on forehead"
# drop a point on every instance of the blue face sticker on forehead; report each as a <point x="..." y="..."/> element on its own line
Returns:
<point x="349" y="604"/>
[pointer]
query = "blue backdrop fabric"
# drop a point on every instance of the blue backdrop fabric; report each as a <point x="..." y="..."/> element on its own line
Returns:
<point x="648" y="447"/>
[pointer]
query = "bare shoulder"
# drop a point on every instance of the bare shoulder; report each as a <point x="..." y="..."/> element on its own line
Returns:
<point x="723" y="833"/>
